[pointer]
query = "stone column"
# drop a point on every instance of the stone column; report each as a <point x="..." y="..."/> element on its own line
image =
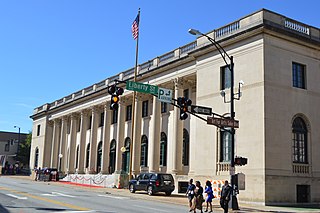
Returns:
<point x="72" y="148"/>
<point x="93" y="141"/>
<point x="136" y="142"/>
<point x="55" y="143"/>
<point x="120" y="136"/>
<point x="63" y="145"/>
<point x="82" y="147"/>
<point x="154" y="142"/>
<point x="177" y="133"/>
<point x="106" y="140"/>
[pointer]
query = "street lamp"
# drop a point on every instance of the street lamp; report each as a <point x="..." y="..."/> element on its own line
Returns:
<point x="230" y="65"/>
<point x="18" y="140"/>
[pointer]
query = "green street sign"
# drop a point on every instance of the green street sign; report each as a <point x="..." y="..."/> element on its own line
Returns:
<point x="140" y="87"/>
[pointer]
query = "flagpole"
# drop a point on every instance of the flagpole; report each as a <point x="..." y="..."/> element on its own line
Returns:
<point x="133" y="105"/>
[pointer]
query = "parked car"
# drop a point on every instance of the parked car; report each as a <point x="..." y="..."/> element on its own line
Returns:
<point x="152" y="183"/>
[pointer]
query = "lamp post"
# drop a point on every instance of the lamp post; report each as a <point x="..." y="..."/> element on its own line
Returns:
<point x="230" y="66"/>
<point x="18" y="140"/>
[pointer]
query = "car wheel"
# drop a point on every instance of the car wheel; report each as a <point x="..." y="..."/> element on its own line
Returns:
<point x="150" y="190"/>
<point x="131" y="188"/>
<point x="168" y="193"/>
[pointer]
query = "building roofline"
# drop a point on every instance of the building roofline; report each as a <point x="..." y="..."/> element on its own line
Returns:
<point x="263" y="17"/>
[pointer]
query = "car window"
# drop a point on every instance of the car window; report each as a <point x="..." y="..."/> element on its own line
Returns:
<point x="167" y="177"/>
<point x="153" y="177"/>
<point x="146" y="177"/>
<point x="140" y="177"/>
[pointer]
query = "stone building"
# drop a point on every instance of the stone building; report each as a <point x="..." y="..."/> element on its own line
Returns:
<point x="276" y="57"/>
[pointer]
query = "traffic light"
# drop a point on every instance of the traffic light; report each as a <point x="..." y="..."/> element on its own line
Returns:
<point x="183" y="103"/>
<point x="240" y="161"/>
<point x="115" y="92"/>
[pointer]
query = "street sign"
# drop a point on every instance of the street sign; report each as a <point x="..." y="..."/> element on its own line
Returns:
<point x="201" y="110"/>
<point x="165" y="95"/>
<point x="224" y="122"/>
<point x="140" y="87"/>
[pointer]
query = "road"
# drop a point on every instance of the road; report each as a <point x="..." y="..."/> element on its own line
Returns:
<point x="24" y="196"/>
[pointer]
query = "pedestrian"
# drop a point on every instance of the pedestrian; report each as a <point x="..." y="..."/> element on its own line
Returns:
<point x="198" y="200"/>
<point x="209" y="195"/>
<point x="190" y="194"/>
<point x="36" y="173"/>
<point x="225" y="196"/>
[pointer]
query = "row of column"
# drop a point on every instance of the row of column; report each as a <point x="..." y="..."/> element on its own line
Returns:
<point x="64" y="154"/>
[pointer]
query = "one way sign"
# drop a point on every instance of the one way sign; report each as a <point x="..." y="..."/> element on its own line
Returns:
<point x="201" y="110"/>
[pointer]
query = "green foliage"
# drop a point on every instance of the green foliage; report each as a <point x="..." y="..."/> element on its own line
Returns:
<point x="24" y="150"/>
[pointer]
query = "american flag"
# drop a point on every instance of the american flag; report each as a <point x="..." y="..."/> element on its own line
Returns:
<point x="135" y="28"/>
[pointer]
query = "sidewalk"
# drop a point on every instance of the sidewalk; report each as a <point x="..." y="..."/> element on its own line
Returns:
<point x="179" y="199"/>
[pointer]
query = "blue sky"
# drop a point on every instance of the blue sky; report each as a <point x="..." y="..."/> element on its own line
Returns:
<point x="52" y="48"/>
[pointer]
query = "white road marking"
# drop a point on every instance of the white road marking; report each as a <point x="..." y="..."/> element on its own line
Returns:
<point x="56" y="194"/>
<point x="50" y="195"/>
<point x="63" y="195"/>
<point x="17" y="197"/>
<point x="77" y="211"/>
<point x="110" y="196"/>
<point x="153" y="209"/>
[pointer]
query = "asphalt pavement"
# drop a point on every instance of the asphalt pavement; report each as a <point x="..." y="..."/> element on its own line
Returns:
<point x="179" y="199"/>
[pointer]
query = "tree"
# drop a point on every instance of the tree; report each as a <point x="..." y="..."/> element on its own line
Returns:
<point x="24" y="150"/>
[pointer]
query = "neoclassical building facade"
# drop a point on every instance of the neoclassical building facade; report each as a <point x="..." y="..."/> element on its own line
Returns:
<point x="276" y="57"/>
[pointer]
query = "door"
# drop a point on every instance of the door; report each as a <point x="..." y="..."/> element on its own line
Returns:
<point x="303" y="193"/>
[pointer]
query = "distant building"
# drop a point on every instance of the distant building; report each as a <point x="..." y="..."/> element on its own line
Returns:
<point x="9" y="146"/>
<point x="278" y="59"/>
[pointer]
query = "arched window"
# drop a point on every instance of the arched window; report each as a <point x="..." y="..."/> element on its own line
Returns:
<point x="77" y="158"/>
<point x="126" y="155"/>
<point x="99" y="156"/>
<point x="144" y="151"/>
<point x="299" y="139"/>
<point x="112" y="156"/>
<point x="88" y="155"/>
<point x="36" y="158"/>
<point x="163" y="149"/>
<point x="185" y="148"/>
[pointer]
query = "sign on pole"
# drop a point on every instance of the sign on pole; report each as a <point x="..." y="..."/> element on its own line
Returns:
<point x="164" y="95"/>
<point x="223" y="122"/>
<point x="140" y="87"/>
<point x="201" y="110"/>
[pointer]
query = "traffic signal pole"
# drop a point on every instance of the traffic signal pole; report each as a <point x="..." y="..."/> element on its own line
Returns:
<point x="230" y="65"/>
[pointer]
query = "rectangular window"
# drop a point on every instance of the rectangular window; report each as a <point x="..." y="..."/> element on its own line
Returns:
<point x="38" y="130"/>
<point x="129" y="113"/>
<point x="79" y="124"/>
<point x="164" y="107"/>
<point x="90" y="122"/>
<point x="145" y="108"/>
<point x="225" y="146"/>
<point x="101" y="119"/>
<point x="7" y="147"/>
<point x="186" y="93"/>
<point x="114" y="117"/>
<point x="68" y="126"/>
<point x="298" y="75"/>
<point x="225" y="78"/>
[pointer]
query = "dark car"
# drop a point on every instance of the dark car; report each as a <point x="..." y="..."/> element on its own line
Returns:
<point x="152" y="183"/>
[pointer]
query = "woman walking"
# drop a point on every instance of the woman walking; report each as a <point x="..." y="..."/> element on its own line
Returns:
<point x="198" y="197"/>
<point x="190" y="194"/>
<point x="209" y="195"/>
